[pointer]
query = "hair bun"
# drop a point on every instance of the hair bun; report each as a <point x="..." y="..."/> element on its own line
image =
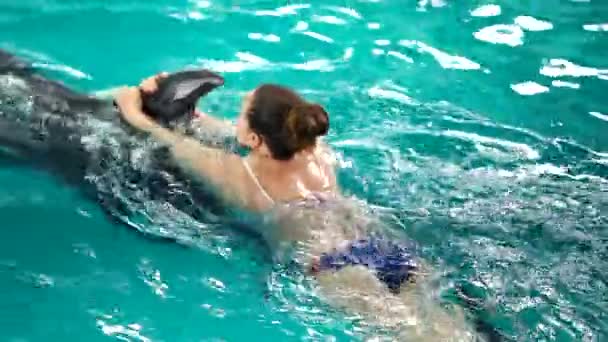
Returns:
<point x="307" y="122"/>
<point x="313" y="120"/>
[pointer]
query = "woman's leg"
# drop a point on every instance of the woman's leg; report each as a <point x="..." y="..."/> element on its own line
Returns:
<point x="412" y="314"/>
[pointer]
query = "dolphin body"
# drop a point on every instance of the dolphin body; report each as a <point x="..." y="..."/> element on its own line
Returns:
<point x="83" y="139"/>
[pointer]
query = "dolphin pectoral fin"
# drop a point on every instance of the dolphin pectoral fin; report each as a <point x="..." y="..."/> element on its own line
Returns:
<point x="178" y="93"/>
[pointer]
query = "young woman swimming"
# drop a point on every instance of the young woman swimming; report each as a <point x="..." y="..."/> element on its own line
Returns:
<point x="289" y="176"/>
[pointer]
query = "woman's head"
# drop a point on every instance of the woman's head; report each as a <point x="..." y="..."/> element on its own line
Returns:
<point x="277" y="119"/>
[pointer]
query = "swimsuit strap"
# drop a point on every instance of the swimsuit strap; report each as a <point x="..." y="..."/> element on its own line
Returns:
<point x="256" y="181"/>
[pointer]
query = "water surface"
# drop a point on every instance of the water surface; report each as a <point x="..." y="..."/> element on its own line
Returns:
<point x="478" y="125"/>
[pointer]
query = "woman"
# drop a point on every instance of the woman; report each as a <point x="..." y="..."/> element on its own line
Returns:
<point x="289" y="176"/>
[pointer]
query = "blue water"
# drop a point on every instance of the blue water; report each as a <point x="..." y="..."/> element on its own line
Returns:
<point x="478" y="125"/>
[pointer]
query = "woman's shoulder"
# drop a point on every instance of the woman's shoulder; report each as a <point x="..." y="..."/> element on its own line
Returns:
<point x="327" y="156"/>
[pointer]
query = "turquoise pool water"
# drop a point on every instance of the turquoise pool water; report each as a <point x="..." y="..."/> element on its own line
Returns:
<point x="480" y="126"/>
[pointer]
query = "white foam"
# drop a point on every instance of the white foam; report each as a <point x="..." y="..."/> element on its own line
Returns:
<point x="390" y="94"/>
<point x="494" y="153"/>
<point x="134" y="326"/>
<point x="528" y="171"/>
<point x="542" y="169"/>
<point x="400" y="56"/>
<point x="345" y="10"/>
<point x="301" y="26"/>
<point x="563" y="84"/>
<point x="532" y="24"/>
<point x="522" y="149"/>
<point x="486" y="11"/>
<point x="195" y="15"/>
<point x="596" y="27"/>
<point x="318" y="36"/>
<point x="348" y="53"/>
<point x="422" y="4"/>
<point x="271" y="38"/>
<point x="382" y="42"/>
<point x="202" y="3"/>
<point x="601" y="161"/>
<point x="373" y="26"/>
<point x="231" y="66"/>
<point x="282" y="11"/>
<point x="550" y="169"/>
<point x="355" y="143"/>
<point x="216" y="284"/>
<point x="318" y="64"/>
<point x="178" y="16"/>
<point x="255" y="63"/>
<point x="529" y="88"/>
<point x="511" y="35"/>
<point x="378" y="52"/>
<point x="12" y="83"/>
<point x="329" y="19"/>
<point x="560" y="67"/>
<point x="251" y="58"/>
<point x="234" y="66"/>
<point x="131" y="331"/>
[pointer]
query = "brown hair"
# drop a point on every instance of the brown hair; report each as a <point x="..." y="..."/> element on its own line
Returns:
<point x="286" y="122"/>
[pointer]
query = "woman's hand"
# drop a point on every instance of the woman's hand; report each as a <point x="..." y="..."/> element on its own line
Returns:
<point x="128" y="101"/>
<point x="150" y="84"/>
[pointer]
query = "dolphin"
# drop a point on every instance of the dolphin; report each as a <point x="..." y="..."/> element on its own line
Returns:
<point x="83" y="139"/>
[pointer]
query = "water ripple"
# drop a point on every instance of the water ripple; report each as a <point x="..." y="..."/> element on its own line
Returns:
<point x="523" y="150"/>
<point x="282" y="11"/>
<point x="392" y="95"/>
<point x="152" y="278"/>
<point x="123" y="332"/>
<point x="446" y="60"/>
<point x="250" y="62"/>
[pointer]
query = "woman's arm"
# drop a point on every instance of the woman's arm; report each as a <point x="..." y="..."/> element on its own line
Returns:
<point x="219" y="168"/>
<point x="213" y="129"/>
<point x="213" y="123"/>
